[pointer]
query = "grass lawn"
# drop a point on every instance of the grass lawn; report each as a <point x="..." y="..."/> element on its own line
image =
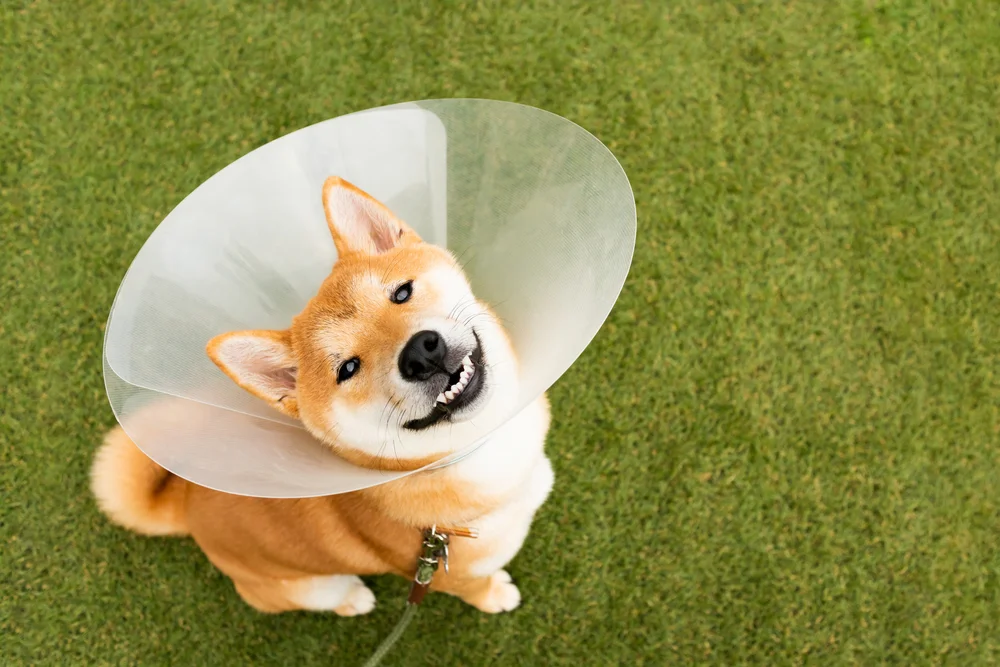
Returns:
<point x="782" y="448"/>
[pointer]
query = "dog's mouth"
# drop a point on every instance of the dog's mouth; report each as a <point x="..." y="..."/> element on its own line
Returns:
<point x="464" y="385"/>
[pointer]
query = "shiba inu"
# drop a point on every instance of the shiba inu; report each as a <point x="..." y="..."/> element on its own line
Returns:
<point x="393" y="352"/>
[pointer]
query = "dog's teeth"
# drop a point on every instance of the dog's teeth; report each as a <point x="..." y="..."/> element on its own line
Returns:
<point x="449" y="395"/>
<point x="464" y="377"/>
<point x="441" y="398"/>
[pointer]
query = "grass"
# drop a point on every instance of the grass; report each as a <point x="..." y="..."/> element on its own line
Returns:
<point x="783" y="447"/>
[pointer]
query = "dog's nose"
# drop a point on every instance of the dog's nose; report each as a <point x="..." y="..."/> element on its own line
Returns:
<point x="423" y="356"/>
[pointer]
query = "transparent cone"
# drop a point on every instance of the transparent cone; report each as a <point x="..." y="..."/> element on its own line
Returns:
<point x="537" y="210"/>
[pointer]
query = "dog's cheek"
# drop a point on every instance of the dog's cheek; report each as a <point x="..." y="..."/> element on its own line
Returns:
<point x="362" y="425"/>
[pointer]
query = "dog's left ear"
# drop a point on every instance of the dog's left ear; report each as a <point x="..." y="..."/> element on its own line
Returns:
<point x="261" y="362"/>
<point x="361" y="223"/>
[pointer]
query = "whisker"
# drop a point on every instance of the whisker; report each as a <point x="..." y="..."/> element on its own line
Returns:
<point x="399" y="437"/>
<point x="399" y="256"/>
<point x="472" y="317"/>
<point x="384" y="407"/>
<point x="334" y="428"/>
<point x="468" y="304"/>
<point x="458" y="259"/>
<point x="463" y="304"/>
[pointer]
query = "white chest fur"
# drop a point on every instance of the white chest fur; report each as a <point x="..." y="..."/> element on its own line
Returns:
<point x="512" y="465"/>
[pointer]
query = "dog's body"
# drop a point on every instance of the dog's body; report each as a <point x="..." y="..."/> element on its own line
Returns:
<point x="366" y="365"/>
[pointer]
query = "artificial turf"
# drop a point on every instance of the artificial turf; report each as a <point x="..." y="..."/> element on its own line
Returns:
<point x="782" y="448"/>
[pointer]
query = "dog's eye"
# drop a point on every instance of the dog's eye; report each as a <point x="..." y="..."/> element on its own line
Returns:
<point x="403" y="292"/>
<point x="348" y="369"/>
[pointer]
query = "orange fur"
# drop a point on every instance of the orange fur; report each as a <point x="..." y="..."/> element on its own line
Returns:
<point x="285" y="554"/>
<point x="269" y="546"/>
<point x="135" y="492"/>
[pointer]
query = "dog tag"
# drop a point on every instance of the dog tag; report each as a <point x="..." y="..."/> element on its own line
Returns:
<point x="472" y="533"/>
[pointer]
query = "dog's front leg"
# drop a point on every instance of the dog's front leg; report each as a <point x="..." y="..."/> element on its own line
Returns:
<point x="476" y="575"/>
<point x="493" y="594"/>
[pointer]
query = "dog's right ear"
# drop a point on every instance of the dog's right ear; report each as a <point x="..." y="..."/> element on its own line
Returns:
<point x="361" y="223"/>
<point x="261" y="362"/>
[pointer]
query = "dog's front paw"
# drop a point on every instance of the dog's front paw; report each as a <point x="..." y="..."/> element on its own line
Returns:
<point x="359" y="600"/>
<point x="501" y="594"/>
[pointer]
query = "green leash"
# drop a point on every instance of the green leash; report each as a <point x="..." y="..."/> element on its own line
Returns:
<point x="397" y="632"/>
<point x="433" y="551"/>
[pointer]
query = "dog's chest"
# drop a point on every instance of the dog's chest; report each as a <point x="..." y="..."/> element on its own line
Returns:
<point x="512" y="466"/>
<point x="507" y="461"/>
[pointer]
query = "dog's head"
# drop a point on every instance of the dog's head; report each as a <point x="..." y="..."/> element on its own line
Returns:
<point x="393" y="359"/>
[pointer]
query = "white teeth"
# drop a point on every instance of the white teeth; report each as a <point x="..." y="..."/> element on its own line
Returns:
<point x="468" y="370"/>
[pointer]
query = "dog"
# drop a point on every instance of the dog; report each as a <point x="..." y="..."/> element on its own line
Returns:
<point x="393" y="359"/>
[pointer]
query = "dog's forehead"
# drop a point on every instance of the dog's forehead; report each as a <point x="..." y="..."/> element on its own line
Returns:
<point x="337" y="338"/>
<point x="361" y="281"/>
<point x="347" y="298"/>
<point x="354" y="301"/>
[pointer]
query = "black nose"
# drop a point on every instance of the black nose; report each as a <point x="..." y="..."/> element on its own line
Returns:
<point x="422" y="357"/>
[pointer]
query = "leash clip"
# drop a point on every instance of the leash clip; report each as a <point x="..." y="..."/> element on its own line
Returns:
<point x="434" y="552"/>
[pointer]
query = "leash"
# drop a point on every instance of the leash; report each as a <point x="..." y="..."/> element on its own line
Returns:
<point x="433" y="552"/>
<point x="390" y="641"/>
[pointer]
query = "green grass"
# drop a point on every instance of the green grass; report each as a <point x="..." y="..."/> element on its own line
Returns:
<point x="783" y="447"/>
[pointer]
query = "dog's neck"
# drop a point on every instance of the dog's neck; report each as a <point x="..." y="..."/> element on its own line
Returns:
<point x="477" y="484"/>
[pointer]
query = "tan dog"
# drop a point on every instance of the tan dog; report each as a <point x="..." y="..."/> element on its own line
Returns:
<point x="392" y="353"/>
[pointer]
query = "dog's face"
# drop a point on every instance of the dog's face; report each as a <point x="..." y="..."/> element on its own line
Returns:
<point x="394" y="359"/>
